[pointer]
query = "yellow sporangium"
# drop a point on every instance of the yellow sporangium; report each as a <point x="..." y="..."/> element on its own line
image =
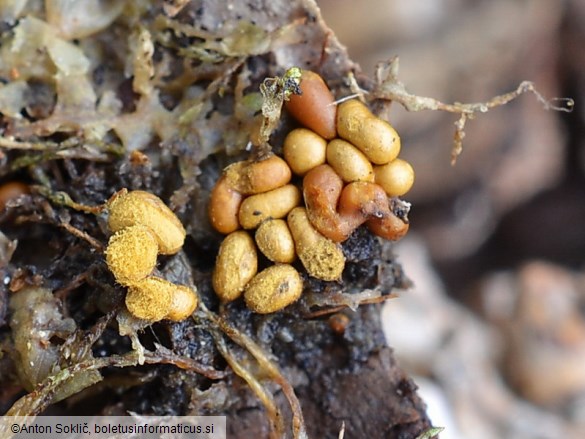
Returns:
<point x="144" y="227"/>
<point x="273" y="289"/>
<point x="236" y="264"/>
<point x="140" y="207"/>
<point x="131" y="254"/>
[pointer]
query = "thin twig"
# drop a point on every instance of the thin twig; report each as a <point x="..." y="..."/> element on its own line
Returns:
<point x="274" y="415"/>
<point x="63" y="199"/>
<point x="268" y="367"/>
<point x="83" y="235"/>
<point x="389" y="87"/>
<point x="334" y="309"/>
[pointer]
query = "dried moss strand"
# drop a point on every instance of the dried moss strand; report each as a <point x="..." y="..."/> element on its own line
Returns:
<point x="392" y="89"/>
<point x="271" y="370"/>
<point x="60" y="198"/>
<point x="164" y="355"/>
<point x="274" y="415"/>
<point x="37" y="401"/>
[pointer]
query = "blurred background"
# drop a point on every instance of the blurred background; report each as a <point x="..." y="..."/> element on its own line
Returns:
<point x="493" y="330"/>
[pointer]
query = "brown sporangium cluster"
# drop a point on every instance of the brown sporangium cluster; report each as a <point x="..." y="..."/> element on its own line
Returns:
<point x="351" y="176"/>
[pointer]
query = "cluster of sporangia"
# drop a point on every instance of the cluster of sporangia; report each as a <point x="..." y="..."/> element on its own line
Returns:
<point x="348" y="160"/>
<point x="145" y="227"/>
